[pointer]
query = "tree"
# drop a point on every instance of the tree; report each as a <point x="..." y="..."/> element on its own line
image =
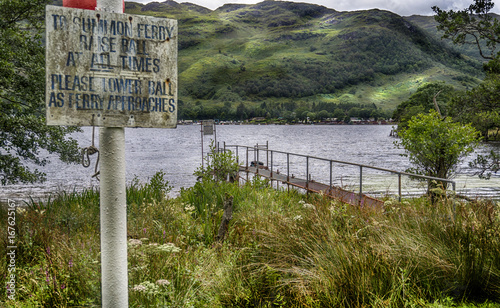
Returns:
<point x="474" y="25"/>
<point x="436" y="146"/>
<point x="241" y="112"/>
<point x="480" y="106"/>
<point x="23" y="132"/>
<point x="339" y="114"/>
<point x="422" y="101"/>
<point x="354" y="112"/>
<point x="289" y="116"/>
<point x="311" y="116"/>
<point x="220" y="165"/>
<point x="302" y="113"/>
<point x="323" y="114"/>
<point x="486" y="165"/>
<point x="477" y="26"/>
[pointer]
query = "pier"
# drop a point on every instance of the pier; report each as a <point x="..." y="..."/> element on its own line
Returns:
<point x="284" y="168"/>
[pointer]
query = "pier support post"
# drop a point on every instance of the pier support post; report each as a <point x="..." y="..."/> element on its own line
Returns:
<point x="360" y="185"/>
<point x="288" y="171"/>
<point x="331" y="179"/>
<point x="399" y="186"/>
<point x="267" y="153"/>
<point x="307" y="175"/>
<point x="247" y="165"/>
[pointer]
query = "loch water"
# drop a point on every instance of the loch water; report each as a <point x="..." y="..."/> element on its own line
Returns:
<point x="178" y="153"/>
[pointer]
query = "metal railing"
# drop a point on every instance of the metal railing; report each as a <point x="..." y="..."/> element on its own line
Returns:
<point x="270" y="163"/>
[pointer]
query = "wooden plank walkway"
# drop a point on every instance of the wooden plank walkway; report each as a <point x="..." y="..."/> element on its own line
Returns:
<point x="333" y="192"/>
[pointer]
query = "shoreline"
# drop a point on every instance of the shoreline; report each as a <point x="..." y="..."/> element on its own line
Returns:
<point x="290" y="123"/>
<point x="489" y="190"/>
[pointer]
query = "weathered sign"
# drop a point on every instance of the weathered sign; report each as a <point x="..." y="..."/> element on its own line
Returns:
<point x="109" y="69"/>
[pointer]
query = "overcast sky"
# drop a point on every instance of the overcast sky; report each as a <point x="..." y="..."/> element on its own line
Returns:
<point x="401" y="7"/>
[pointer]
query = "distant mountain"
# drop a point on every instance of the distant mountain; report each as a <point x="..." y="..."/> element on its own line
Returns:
<point x="278" y="51"/>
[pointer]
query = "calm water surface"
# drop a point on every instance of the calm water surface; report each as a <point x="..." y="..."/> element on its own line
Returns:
<point x="178" y="153"/>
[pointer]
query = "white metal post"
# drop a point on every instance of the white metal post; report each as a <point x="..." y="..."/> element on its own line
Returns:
<point x="113" y="207"/>
<point x="114" y="277"/>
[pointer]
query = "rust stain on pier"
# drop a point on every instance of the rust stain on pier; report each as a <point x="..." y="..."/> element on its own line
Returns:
<point x="333" y="192"/>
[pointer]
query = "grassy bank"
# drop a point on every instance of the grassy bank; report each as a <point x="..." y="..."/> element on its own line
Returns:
<point x="282" y="249"/>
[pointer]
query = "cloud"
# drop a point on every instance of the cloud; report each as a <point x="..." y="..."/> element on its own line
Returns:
<point x="401" y="7"/>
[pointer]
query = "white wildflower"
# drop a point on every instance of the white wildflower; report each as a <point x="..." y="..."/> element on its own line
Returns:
<point x="139" y="288"/>
<point x="297" y="218"/>
<point x="308" y="206"/>
<point x="134" y="242"/>
<point x="163" y="282"/>
<point x="147" y="287"/>
<point x="189" y="208"/>
<point x="168" y="247"/>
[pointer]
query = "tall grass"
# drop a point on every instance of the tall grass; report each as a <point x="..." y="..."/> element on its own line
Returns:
<point x="57" y="256"/>
<point x="408" y="254"/>
<point x="283" y="249"/>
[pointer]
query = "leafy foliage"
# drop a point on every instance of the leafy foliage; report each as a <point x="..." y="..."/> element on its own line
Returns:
<point x="486" y="164"/>
<point x="156" y="189"/>
<point x="436" y="146"/>
<point x="289" y="110"/>
<point x="220" y="165"/>
<point x="471" y="26"/>
<point x="422" y="101"/>
<point x="23" y="133"/>
<point x="480" y="106"/>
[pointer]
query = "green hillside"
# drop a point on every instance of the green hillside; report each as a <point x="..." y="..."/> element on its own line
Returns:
<point x="429" y="25"/>
<point x="284" y="52"/>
